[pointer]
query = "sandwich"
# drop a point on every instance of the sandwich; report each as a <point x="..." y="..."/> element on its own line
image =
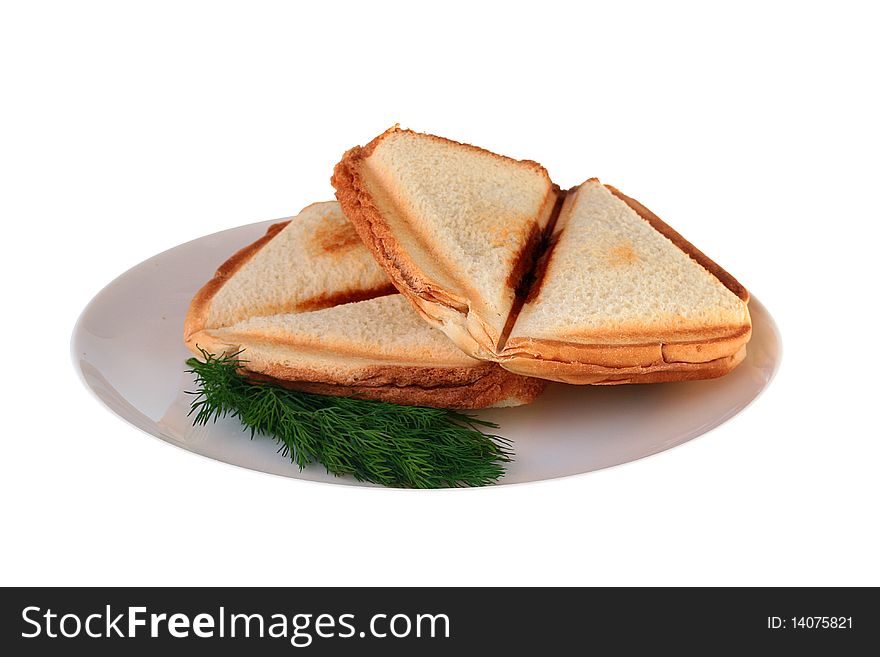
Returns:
<point x="308" y="308"/>
<point x="584" y="286"/>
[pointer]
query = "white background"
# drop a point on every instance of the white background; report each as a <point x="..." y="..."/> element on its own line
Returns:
<point x="128" y="128"/>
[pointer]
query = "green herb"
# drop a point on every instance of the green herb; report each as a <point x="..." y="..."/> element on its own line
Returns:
<point x="388" y="444"/>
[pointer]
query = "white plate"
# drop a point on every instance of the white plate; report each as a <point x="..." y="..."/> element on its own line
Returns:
<point x="128" y="348"/>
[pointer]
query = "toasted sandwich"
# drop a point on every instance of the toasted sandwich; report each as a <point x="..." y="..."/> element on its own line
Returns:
<point x="581" y="286"/>
<point x="309" y="309"/>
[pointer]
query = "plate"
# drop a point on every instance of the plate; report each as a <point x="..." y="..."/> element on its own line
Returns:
<point x="128" y="348"/>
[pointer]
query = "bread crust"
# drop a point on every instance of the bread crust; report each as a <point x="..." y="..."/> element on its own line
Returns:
<point x="583" y="373"/>
<point x="494" y="388"/>
<point x="702" y="348"/>
<point x="395" y="129"/>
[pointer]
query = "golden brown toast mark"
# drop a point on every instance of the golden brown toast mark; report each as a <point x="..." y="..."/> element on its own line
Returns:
<point x="346" y="296"/>
<point x="523" y="262"/>
<point x="527" y="273"/>
<point x="622" y="254"/>
<point x="334" y="239"/>
<point x="534" y="252"/>
<point x="536" y="280"/>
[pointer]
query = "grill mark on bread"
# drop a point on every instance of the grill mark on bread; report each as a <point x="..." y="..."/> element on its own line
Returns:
<point x="540" y="271"/>
<point x="334" y="239"/>
<point x="524" y="261"/>
<point x="347" y="296"/>
<point x="527" y="274"/>
<point x="527" y="265"/>
<point x="622" y="254"/>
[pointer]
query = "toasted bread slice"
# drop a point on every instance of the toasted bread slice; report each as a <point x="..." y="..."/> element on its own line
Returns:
<point x="309" y="309"/>
<point x="453" y="226"/>
<point x="587" y="286"/>
<point x="620" y="289"/>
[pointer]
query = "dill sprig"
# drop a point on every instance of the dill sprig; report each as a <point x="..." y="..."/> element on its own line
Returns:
<point x="388" y="444"/>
